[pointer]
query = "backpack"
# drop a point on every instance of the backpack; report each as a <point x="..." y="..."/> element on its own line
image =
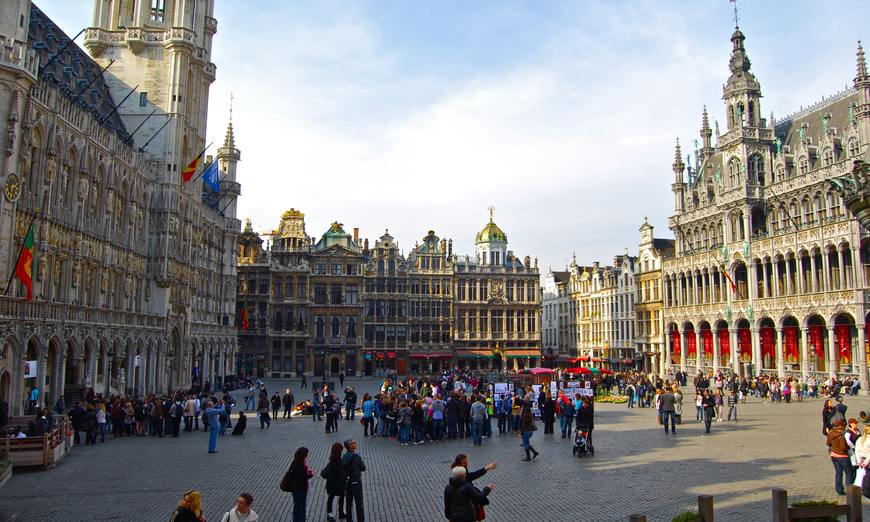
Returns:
<point x="568" y="409"/>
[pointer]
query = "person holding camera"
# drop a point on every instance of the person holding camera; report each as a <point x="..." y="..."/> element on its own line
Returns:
<point x="213" y="413"/>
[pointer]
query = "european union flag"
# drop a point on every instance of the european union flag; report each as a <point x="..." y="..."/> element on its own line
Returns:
<point x="211" y="176"/>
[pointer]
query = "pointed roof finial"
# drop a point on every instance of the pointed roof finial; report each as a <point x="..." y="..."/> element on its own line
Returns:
<point x="705" y="124"/>
<point x="678" y="154"/>
<point x="862" y="64"/>
<point x="736" y="18"/>
<point x="230" y="138"/>
<point x="491" y="210"/>
<point x="231" y="107"/>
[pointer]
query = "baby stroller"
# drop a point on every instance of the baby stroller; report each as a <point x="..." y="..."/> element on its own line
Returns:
<point x="582" y="444"/>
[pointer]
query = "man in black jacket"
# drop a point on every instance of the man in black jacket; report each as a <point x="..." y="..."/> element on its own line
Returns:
<point x="461" y="498"/>
<point x="353" y="466"/>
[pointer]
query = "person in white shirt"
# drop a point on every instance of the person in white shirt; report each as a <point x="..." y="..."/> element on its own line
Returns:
<point x="242" y="512"/>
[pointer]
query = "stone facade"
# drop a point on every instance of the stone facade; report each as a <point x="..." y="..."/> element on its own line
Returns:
<point x="648" y="304"/>
<point x="769" y="271"/>
<point x="558" y="339"/>
<point x="134" y="274"/>
<point x="370" y="310"/>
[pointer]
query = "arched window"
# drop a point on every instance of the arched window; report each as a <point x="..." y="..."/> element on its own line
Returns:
<point x="750" y="116"/>
<point x="821" y="210"/>
<point x="779" y="174"/>
<point x="319" y="326"/>
<point x="833" y="205"/>
<point x="853" y="147"/>
<point x="733" y="172"/>
<point x="807" y="210"/>
<point x="803" y="165"/>
<point x="336" y="326"/>
<point x="756" y="169"/>
<point x="827" y="157"/>
<point x="351" y="328"/>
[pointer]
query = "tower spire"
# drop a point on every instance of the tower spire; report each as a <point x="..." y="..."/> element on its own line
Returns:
<point x="230" y="138"/>
<point x="678" y="156"/>
<point x="862" y="63"/>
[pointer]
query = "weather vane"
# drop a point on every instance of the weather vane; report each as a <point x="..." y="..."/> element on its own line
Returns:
<point x="736" y="19"/>
<point x="491" y="210"/>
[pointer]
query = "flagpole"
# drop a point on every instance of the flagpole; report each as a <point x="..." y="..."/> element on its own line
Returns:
<point x="20" y="250"/>
<point x="204" y="168"/>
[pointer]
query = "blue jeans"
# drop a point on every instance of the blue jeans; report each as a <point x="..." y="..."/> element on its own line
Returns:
<point x="300" y="498"/>
<point x="103" y="429"/>
<point x="487" y="426"/>
<point x="213" y="437"/>
<point x="404" y="431"/>
<point x="673" y="418"/>
<point x="842" y="465"/>
<point x="419" y="433"/>
<point x="451" y="427"/>
<point x="438" y="429"/>
<point x="527" y="437"/>
<point x="476" y="432"/>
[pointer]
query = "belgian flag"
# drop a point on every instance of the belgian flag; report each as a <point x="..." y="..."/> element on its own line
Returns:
<point x="24" y="267"/>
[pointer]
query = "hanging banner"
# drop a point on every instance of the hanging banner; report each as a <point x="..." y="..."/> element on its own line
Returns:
<point x="724" y="342"/>
<point x="816" y="340"/>
<point x="691" y="342"/>
<point x="790" y="336"/>
<point x="675" y="341"/>
<point x="707" y="338"/>
<point x="767" y="342"/>
<point x="29" y="369"/>
<point x="844" y="341"/>
<point x="744" y="340"/>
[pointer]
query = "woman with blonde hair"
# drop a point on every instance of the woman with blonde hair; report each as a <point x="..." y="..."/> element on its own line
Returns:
<point x="189" y="508"/>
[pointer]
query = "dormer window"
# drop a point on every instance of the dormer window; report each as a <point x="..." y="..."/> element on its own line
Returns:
<point x="827" y="157"/>
<point x="803" y="165"/>
<point x="853" y="147"/>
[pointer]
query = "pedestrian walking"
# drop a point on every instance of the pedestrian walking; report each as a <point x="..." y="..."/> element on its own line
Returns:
<point x="478" y="416"/>
<point x="335" y="483"/>
<point x="732" y="406"/>
<point x="295" y="481"/>
<point x="527" y="426"/>
<point x="462" y="501"/>
<point x="667" y="409"/>
<point x="708" y="403"/>
<point x="263" y="412"/>
<point x="839" y="451"/>
<point x="353" y="467"/>
<point x="189" y="508"/>
<point x="368" y="411"/>
<point x="242" y="512"/>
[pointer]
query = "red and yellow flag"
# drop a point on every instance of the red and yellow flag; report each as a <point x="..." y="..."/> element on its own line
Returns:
<point x="190" y="169"/>
<point x="24" y="268"/>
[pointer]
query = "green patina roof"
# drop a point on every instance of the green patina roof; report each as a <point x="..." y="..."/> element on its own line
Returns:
<point x="335" y="231"/>
<point x="490" y="232"/>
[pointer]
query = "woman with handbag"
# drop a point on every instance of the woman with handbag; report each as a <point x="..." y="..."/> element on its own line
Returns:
<point x="528" y="428"/>
<point x="462" y="501"/>
<point x="295" y="481"/>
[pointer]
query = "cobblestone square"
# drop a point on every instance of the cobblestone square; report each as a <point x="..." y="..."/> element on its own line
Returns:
<point x="637" y="468"/>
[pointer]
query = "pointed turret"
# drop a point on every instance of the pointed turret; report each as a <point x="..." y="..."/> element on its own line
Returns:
<point x="229" y="157"/>
<point x="678" y="187"/>
<point x="742" y="92"/>
<point x="706" y="135"/>
<point x="862" y="64"/>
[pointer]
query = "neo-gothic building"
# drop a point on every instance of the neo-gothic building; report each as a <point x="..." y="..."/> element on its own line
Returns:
<point x="757" y="208"/>
<point x="134" y="282"/>
<point x="369" y="309"/>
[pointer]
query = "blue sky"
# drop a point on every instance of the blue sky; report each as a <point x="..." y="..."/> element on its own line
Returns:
<point x="419" y="115"/>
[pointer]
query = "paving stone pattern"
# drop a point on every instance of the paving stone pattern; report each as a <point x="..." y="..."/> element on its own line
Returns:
<point x="636" y="469"/>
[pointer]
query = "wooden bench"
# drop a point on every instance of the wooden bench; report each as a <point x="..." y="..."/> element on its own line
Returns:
<point x="45" y="451"/>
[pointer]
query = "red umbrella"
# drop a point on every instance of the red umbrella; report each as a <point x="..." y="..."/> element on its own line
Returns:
<point x="578" y="370"/>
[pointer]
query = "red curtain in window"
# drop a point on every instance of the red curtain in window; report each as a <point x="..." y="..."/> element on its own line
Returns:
<point x="707" y="338"/>
<point x="675" y="341"/>
<point x="790" y="334"/>
<point x="724" y="342"/>
<point x="691" y="343"/>
<point x="745" y="341"/>
<point x="844" y="341"/>
<point x="817" y="340"/>
<point x="767" y="344"/>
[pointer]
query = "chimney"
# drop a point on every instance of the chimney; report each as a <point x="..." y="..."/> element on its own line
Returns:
<point x="449" y="247"/>
<point x="355" y="234"/>
<point x="366" y="245"/>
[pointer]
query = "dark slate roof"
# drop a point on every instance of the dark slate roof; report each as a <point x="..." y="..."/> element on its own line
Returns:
<point x="788" y="130"/>
<point x="663" y="245"/>
<point x="72" y="71"/>
<point x="560" y="276"/>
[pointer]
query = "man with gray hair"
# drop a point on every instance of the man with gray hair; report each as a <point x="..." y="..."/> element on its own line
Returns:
<point x="462" y="499"/>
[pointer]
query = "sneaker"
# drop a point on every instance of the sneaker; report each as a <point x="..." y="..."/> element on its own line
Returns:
<point x="330" y="517"/>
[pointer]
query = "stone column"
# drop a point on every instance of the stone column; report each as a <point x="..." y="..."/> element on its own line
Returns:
<point x="842" y="274"/>
<point x="767" y="288"/>
<point x="814" y="284"/>
<point x="756" y="349"/>
<point x="832" y="352"/>
<point x="780" y="355"/>
<point x="789" y="287"/>
<point x="699" y="349"/>
<point x="860" y="359"/>
<point x="716" y="350"/>
<point x="683" y="348"/>
<point x="735" y="360"/>
<point x="805" y="352"/>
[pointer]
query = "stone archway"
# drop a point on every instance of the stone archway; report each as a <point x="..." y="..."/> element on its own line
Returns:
<point x="31" y="374"/>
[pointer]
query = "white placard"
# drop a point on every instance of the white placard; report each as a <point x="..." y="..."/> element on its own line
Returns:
<point x="501" y="387"/>
<point x="29" y="369"/>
